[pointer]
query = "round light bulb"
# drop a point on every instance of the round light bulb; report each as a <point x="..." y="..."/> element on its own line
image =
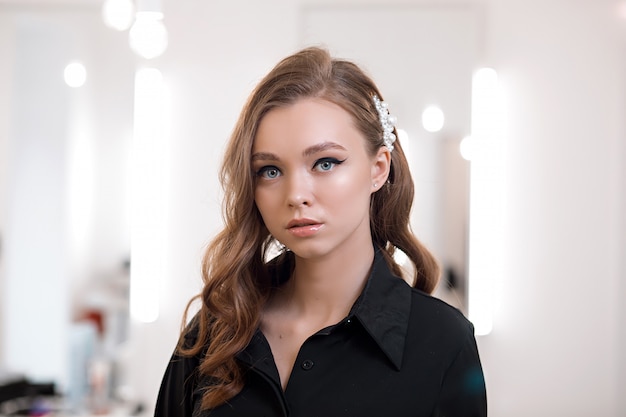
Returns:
<point x="465" y="147"/>
<point x="118" y="14"/>
<point x="148" y="35"/>
<point x="432" y="119"/>
<point x="403" y="136"/>
<point x="75" y="74"/>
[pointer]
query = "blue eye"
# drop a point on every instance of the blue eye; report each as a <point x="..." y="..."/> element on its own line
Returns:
<point x="268" y="172"/>
<point x="326" y="164"/>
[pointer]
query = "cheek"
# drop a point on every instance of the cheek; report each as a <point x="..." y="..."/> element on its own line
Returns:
<point x="352" y="183"/>
<point x="260" y="200"/>
<point x="347" y="192"/>
<point x="265" y="203"/>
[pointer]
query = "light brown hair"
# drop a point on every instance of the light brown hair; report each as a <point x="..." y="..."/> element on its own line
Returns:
<point x="237" y="278"/>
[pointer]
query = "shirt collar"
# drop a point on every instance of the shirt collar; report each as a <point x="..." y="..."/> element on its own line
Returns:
<point x="384" y="308"/>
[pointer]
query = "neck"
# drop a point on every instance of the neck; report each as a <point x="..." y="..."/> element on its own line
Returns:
<point x="328" y="287"/>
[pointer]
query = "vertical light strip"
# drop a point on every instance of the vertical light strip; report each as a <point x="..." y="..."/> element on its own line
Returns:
<point x="148" y="195"/>
<point x="486" y="199"/>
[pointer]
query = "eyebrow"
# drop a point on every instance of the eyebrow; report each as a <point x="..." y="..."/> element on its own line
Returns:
<point x="264" y="156"/>
<point x="311" y="150"/>
<point x="321" y="147"/>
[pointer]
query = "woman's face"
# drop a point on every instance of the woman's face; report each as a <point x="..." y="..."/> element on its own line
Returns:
<point x="314" y="178"/>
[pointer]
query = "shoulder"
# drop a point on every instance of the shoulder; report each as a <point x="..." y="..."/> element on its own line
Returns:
<point x="441" y="339"/>
<point x="176" y="392"/>
<point x="189" y="335"/>
<point x="439" y="320"/>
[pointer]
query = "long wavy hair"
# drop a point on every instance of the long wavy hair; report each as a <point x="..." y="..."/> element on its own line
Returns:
<point x="236" y="273"/>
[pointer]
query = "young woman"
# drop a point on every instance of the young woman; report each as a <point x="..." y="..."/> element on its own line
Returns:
<point x="327" y="327"/>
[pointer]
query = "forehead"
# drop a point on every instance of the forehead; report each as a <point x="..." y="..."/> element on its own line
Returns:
<point x="305" y="123"/>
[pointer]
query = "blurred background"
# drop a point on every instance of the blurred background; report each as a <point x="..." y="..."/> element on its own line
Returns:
<point x="114" y="115"/>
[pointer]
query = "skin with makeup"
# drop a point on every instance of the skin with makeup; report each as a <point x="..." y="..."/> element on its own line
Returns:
<point x="304" y="310"/>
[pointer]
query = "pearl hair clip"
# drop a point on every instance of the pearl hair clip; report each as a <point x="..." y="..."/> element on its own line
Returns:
<point x="387" y="121"/>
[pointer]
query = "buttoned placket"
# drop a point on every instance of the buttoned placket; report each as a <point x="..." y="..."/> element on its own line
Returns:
<point x="258" y="357"/>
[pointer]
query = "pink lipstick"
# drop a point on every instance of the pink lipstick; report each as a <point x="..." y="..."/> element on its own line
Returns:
<point x="304" y="227"/>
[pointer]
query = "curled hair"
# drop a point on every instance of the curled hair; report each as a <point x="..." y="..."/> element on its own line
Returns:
<point x="236" y="277"/>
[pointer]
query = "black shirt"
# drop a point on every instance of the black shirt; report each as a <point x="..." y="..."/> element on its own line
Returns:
<point x="400" y="352"/>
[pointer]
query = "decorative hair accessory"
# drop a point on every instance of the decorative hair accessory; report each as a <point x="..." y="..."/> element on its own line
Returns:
<point x="387" y="121"/>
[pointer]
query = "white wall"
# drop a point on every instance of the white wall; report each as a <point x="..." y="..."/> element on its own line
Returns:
<point x="6" y="75"/>
<point x="36" y="251"/>
<point x="555" y="348"/>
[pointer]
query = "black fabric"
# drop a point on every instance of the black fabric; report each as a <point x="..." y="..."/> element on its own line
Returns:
<point x="399" y="352"/>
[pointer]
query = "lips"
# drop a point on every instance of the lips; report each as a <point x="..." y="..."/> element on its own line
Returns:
<point x="304" y="227"/>
<point x="301" y="223"/>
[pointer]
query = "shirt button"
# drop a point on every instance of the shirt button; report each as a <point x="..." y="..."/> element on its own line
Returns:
<point x="307" y="364"/>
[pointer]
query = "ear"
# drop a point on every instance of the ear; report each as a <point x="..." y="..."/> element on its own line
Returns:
<point x="381" y="164"/>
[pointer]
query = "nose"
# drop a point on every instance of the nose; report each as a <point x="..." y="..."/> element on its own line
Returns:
<point x="299" y="191"/>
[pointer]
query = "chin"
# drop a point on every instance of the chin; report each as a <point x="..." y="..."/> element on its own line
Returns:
<point x="309" y="250"/>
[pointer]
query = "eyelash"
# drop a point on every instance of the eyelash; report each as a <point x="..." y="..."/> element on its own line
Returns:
<point x="264" y="170"/>
<point x="333" y="161"/>
<point x="261" y="172"/>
